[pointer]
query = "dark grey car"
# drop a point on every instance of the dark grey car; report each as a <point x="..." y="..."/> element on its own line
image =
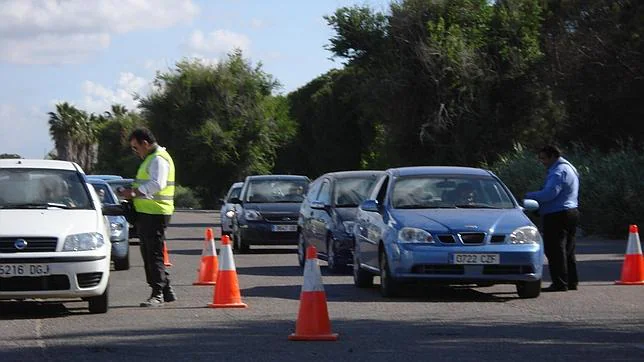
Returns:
<point x="327" y="215"/>
<point x="270" y="205"/>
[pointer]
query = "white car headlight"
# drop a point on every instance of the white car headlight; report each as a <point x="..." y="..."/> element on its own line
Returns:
<point x="525" y="235"/>
<point x="252" y="215"/>
<point x="348" y="227"/>
<point x="85" y="241"/>
<point x="230" y="213"/>
<point x="414" y="235"/>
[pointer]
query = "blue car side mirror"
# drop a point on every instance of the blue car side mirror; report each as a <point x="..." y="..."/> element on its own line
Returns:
<point x="530" y="205"/>
<point x="370" y="205"/>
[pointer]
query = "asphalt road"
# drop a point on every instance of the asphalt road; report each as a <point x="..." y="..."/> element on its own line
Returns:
<point x="600" y="322"/>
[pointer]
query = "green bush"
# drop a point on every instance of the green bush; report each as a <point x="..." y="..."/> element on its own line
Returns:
<point x="184" y="198"/>
<point x="611" y="185"/>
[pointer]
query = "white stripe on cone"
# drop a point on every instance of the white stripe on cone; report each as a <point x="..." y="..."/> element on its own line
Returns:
<point x="633" y="246"/>
<point x="226" y="261"/>
<point x="209" y="249"/>
<point x="312" y="277"/>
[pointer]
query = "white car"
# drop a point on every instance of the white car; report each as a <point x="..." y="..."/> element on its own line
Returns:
<point x="54" y="237"/>
<point x="228" y="209"/>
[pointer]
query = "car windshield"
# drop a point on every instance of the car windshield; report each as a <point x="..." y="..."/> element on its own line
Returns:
<point x="350" y="192"/>
<point x="265" y="191"/>
<point x="42" y="188"/>
<point x="115" y="184"/>
<point x="433" y="191"/>
<point x="104" y="194"/>
<point x="234" y="193"/>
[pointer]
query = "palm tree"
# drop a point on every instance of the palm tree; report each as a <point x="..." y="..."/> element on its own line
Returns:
<point x="75" y="134"/>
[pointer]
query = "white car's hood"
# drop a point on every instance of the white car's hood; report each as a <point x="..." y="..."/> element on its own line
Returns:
<point x="47" y="223"/>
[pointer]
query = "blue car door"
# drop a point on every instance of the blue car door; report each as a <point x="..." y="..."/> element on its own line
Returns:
<point x="371" y="227"/>
<point x="318" y="225"/>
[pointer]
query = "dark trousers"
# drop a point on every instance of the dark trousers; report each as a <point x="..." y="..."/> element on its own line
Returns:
<point x="151" y="230"/>
<point x="559" y="231"/>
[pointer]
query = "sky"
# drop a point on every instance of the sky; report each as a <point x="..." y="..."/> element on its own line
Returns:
<point x="94" y="53"/>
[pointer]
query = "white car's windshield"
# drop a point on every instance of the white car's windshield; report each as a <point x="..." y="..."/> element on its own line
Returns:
<point x="42" y="188"/>
<point x="423" y="192"/>
<point x="265" y="191"/>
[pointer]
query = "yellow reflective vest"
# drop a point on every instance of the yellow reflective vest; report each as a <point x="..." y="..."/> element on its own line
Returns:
<point x="162" y="202"/>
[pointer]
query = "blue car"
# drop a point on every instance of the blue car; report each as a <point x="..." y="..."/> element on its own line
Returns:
<point x="327" y="215"/>
<point x="452" y="225"/>
<point x="119" y="228"/>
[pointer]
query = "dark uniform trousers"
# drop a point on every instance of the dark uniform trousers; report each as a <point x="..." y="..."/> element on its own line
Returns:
<point x="151" y="230"/>
<point x="559" y="229"/>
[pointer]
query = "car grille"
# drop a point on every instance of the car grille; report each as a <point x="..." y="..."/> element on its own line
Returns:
<point x="88" y="280"/>
<point x="288" y="219"/>
<point x="438" y="269"/>
<point x="472" y="238"/>
<point x="447" y="239"/>
<point x="26" y="284"/>
<point x="497" y="239"/>
<point x="507" y="269"/>
<point x="34" y="245"/>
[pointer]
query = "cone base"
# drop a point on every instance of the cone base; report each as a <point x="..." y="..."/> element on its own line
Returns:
<point x="320" y="337"/>
<point x="619" y="282"/>
<point x="232" y="305"/>
<point x="204" y="283"/>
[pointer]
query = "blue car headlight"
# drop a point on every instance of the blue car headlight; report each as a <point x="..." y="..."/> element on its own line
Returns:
<point x="252" y="215"/>
<point x="83" y="242"/>
<point x="116" y="229"/>
<point x="414" y="235"/>
<point x="525" y="235"/>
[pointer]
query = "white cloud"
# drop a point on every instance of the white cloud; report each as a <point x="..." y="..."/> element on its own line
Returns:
<point x="99" y="98"/>
<point x="28" y="25"/>
<point x="217" y="42"/>
<point x="25" y="131"/>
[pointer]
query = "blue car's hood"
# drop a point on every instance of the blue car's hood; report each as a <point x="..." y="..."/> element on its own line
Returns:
<point x="457" y="220"/>
<point x="274" y="208"/>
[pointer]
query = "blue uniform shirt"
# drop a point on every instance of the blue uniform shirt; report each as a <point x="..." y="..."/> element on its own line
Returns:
<point x="561" y="189"/>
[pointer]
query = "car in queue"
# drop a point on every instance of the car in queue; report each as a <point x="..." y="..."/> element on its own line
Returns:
<point x="271" y="204"/>
<point x="54" y="234"/>
<point x="327" y="215"/>
<point x="450" y="225"/>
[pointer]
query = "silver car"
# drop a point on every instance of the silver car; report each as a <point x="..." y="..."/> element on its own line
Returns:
<point x="228" y="209"/>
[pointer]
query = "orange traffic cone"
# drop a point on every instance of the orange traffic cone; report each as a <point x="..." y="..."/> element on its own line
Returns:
<point x="633" y="269"/>
<point x="166" y="258"/>
<point x="207" y="273"/>
<point x="313" y="318"/>
<point x="227" y="289"/>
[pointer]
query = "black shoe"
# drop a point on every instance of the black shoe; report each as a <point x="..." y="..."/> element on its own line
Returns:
<point x="168" y="294"/>
<point x="155" y="300"/>
<point x="555" y="288"/>
<point x="572" y="287"/>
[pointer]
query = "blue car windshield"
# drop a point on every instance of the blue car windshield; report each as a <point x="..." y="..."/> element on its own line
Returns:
<point x="272" y="191"/>
<point x="454" y="191"/>
<point x="350" y="192"/>
<point x="104" y="193"/>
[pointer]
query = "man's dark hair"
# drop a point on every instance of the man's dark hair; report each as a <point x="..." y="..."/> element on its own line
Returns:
<point x="143" y="134"/>
<point x="550" y="151"/>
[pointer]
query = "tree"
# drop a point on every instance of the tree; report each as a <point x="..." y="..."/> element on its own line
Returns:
<point x="220" y="122"/>
<point x="75" y="135"/>
<point x="114" y="153"/>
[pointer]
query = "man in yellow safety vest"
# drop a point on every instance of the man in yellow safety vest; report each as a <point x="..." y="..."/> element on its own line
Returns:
<point x="152" y="194"/>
